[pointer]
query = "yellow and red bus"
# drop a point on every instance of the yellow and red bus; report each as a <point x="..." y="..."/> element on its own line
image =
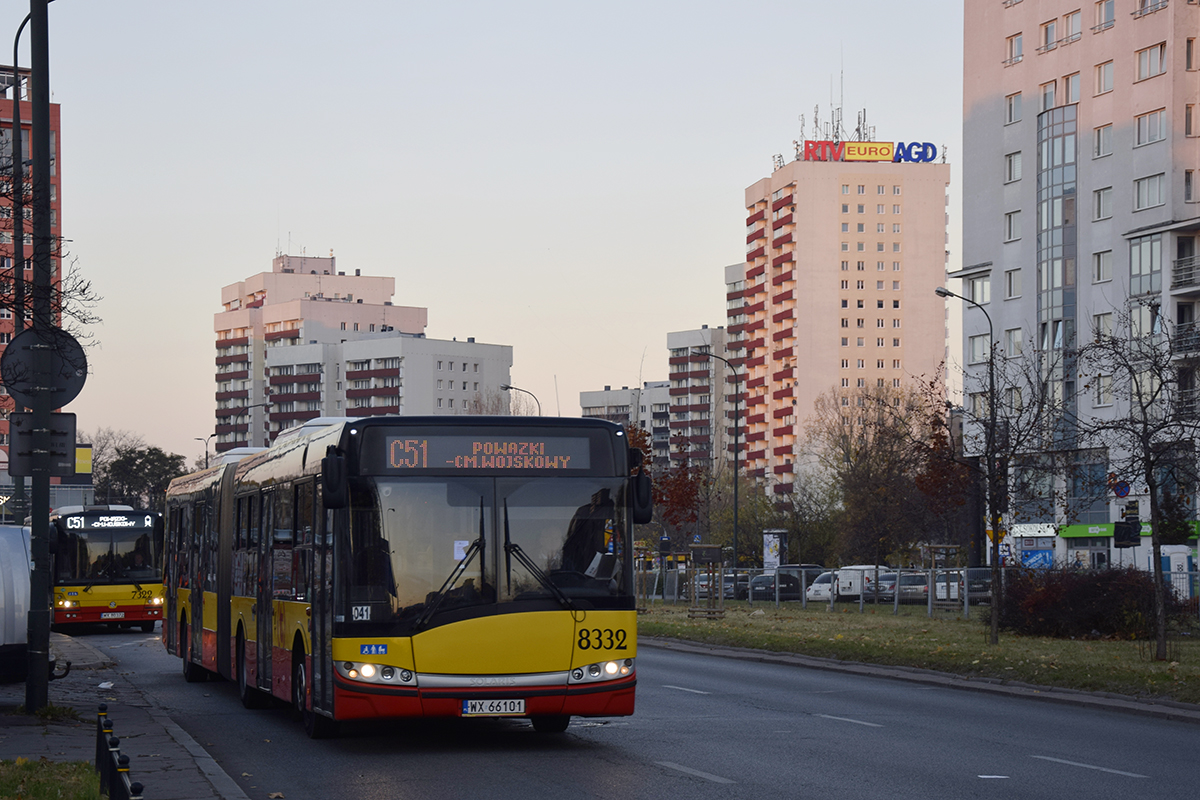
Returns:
<point x="107" y="566"/>
<point x="388" y="567"/>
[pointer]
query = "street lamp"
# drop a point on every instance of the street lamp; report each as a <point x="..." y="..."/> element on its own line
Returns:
<point x="205" y="440"/>
<point x="737" y="393"/>
<point x="508" y="388"/>
<point x="245" y="412"/>
<point x="993" y="478"/>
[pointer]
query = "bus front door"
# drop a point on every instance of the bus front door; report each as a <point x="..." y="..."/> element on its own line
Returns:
<point x="265" y="605"/>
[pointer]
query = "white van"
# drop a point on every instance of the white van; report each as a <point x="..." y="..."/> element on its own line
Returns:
<point x="858" y="579"/>
<point x="14" y="603"/>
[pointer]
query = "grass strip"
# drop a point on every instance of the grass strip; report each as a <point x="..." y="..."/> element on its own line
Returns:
<point x="49" y="780"/>
<point x="947" y="643"/>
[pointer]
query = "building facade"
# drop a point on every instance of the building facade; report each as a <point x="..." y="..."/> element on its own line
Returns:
<point x="700" y="384"/>
<point x="837" y="290"/>
<point x="646" y="406"/>
<point x="306" y="341"/>
<point x="1080" y="203"/>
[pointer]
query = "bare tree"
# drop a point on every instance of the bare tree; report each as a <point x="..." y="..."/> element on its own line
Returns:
<point x="1146" y="369"/>
<point x="107" y="446"/>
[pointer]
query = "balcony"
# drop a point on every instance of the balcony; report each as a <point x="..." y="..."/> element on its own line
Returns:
<point x="1187" y="403"/>
<point x="377" y="411"/>
<point x="756" y="253"/>
<point x="1148" y="8"/>
<point x="1187" y="338"/>
<point x="783" y="259"/>
<point x="290" y="333"/>
<point x="783" y="201"/>
<point x="1185" y="273"/>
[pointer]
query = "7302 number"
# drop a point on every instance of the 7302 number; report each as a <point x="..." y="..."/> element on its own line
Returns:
<point x="601" y="639"/>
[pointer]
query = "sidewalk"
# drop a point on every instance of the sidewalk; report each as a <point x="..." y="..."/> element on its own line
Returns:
<point x="168" y="763"/>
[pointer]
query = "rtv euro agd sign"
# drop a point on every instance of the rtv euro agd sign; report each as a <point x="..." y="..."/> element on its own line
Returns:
<point x="912" y="152"/>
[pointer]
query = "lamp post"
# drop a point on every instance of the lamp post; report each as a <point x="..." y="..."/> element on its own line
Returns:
<point x="992" y="473"/>
<point x="736" y="425"/>
<point x="245" y="412"/>
<point x="205" y="440"/>
<point x="509" y="388"/>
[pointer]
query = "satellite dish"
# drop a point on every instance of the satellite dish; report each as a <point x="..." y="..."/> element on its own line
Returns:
<point x="67" y="368"/>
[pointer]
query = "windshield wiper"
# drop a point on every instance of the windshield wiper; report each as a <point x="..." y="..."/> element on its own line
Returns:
<point x="477" y="546"/>
<point x="512" y="550"/>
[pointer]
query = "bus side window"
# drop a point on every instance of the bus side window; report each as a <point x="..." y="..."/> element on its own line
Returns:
<point x="302" y="555"/>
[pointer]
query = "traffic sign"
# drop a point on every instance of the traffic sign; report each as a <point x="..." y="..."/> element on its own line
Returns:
<point x="1121" y="488"/>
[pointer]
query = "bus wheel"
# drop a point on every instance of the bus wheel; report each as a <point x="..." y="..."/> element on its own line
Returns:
<point x="316" y="725"/>
<point x="250" y="697"/>
<point x="551" y="724"/>
<point x="192" y="673"/>
<point x="148" y="627"/>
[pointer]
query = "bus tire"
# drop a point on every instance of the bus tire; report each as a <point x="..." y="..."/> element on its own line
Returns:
<point x="192" y="672"/>
<point x="556" y="723"/>
<point x="317" y="726"/>
<point x="148" y="626"/>
<point x="250" y="696"/>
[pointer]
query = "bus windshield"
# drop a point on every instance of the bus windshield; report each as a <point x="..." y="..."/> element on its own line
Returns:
<point x="424" y="546"/>
<point x="107" y="556"/>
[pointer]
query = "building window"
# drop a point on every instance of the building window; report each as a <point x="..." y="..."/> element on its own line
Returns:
<point x="1104" y="395"/>
<point x="1189" y="113"/>
<point x="1102" y="138"/>
<point x="862" y="190"/>
<point x="1152" y="61"/>
<point x="1071" y="88"/>
<point x="1102" y="325"/>
<point x="1013" y="48"/>
<point x="977" y="349"/>
<point x="1104" y="77"/>
<point x="1102" y="266"/>
<point x="1149" y="192"/>
<point x="439" y="365"/>
<point x="1150" y="127"/>
<point x="1047" y="95"/>
<point x="845" y="190"/>
<point x="1189" y="186"/>
<point x="1105" y="14"/>
<point x="1012" y="283"/>
<point x="1102" y="203"/>
<point x="1189" y="54"/>
<point x="1072" y="27"/>
<point x="1145" y="265"/>
<point x="979" y="289"/>
<point x="845" y="227"/>
<point x="1048" y="40"/>
<point x="1012" y="167"/>
<point x="1013" y="342"/>
<point x="1012" y="226"/>
<point x="1012" y="108"/>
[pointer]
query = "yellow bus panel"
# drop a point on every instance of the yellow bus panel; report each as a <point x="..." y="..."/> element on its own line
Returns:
<point x="504" y="644"/>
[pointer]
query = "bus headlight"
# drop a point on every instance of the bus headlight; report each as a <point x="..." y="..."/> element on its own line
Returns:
<point x="375" y="673"/>
<point x="602" y="671"/>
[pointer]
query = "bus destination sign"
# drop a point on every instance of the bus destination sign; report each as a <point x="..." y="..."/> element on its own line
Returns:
<point x="92" y="522"/>
<point x="487" y="453"/>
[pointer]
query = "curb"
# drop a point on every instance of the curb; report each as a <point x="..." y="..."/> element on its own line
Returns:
<point x="1159" y="709"/>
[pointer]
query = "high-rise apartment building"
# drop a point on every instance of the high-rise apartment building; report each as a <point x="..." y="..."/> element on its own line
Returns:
<point x="16" y="87"/>
<point x="698" y="392"/>
<point x="844" y="247"/>
<point x="1081" y="145"/>
<point x="305" y="341"/>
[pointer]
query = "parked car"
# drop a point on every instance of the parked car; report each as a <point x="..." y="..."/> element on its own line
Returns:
<point x="762" y="587"/>
<point x="805" y="573"/>
<point x="979" y="581"/>
<point x="732" y="591"/>
<point x="914" y="588"/>
<point x="821" y="588"/>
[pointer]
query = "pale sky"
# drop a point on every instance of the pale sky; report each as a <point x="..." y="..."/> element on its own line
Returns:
<point x="565" y="178"/>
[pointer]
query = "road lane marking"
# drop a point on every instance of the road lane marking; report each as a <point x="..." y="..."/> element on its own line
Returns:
<point x="680" y="688"/>
<point x="994" y="777"/>
<point x="706" y="775"/>
<point x="847" y="719"/>
<point x="1091" y="766"/>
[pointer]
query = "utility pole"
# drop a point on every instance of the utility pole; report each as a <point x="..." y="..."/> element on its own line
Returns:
<point x="38" y="683"/>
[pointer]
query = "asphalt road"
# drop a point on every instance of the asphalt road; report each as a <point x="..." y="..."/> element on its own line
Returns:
<point x="704" y="727"/>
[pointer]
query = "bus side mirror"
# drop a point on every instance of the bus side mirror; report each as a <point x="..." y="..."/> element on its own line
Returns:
<point x="333" y="481"/>
<point x="643" y="500"/>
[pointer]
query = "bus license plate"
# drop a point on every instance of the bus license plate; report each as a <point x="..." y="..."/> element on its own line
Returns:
<point x="112" y="615"/>
<point x="492" y="708"/>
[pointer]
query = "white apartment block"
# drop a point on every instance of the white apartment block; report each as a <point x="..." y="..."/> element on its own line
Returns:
<point x="699" y="385"/>
<point x="306" y="341"/>
<point x="646" y="406"/>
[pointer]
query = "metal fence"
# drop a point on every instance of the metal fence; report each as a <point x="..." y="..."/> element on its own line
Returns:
<point x="955" y="590"/>
<point x="112" y="765"/>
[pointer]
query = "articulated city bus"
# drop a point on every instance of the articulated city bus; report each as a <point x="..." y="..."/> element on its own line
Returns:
<point x="107" y="566"/>
<point x="414" y="567"/>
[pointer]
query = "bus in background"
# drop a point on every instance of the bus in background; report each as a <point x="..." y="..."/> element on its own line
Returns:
<point x="107" y="566"/>
<point x="388" y="567"/>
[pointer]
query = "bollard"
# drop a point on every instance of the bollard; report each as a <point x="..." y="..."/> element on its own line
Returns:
<point x="111" y="764"/>
<point x="101" y="734"/>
